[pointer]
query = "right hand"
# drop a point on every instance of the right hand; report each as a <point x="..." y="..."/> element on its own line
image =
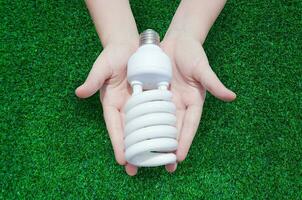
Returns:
<point x="108" y="75"/>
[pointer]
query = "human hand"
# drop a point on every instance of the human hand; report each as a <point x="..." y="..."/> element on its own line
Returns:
<point x="192" y="76"/>
<point x="108" y="75"/>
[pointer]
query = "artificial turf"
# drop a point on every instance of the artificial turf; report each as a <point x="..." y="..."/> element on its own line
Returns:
<point x="54" y="145"/>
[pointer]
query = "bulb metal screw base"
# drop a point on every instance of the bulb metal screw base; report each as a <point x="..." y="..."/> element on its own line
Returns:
<point x="149" y="36"/>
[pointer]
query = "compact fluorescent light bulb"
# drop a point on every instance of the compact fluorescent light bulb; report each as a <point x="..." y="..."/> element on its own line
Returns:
<point x="150" y="125"/>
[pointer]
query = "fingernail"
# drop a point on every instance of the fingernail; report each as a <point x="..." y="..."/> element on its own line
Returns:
<point x="171" y="167"/>
<point x="131" y="170"/>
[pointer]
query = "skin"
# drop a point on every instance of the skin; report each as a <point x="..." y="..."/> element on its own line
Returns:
<point x="192" y="74"/>
<point x="108" y="73"/>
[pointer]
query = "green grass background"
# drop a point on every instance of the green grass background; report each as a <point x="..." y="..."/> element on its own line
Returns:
<point x="54" y="146"/>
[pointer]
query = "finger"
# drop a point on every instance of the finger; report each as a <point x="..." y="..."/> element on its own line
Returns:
<point x="179" y="118"/>
<point x="171" y="167"/>
<point x="131" y="170"/>
<point x="211" y="82"/>
<point x="114" y="126"/>
<point x="97" y="76"/>
<point x="190" y="125"/>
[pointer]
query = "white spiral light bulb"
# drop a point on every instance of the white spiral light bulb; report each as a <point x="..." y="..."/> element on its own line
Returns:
<point x="150" y="126"/>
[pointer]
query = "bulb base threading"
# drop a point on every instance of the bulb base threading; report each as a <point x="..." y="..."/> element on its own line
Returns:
<point x="149" y="36"/>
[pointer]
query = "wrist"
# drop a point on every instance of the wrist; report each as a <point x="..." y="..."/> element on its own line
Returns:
<point x="175" y="34"/>
<point x="180" y="28"/>
<point x="195" y="18"/>
<point x="114" y="21"/>
<point x="121" y="48"/>
<point x="126" y="41"/>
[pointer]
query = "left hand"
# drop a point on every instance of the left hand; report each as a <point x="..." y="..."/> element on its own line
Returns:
<point x="192" y="76"/>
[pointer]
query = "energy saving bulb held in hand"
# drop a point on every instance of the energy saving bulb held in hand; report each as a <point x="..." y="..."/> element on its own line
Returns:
<point x="150" y="129"/>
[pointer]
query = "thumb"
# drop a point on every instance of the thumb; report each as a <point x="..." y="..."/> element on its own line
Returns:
<point x="98" y="74"/>
<point x="207" y="77"/>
